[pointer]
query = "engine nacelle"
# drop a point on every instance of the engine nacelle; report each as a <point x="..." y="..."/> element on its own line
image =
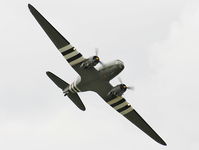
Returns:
<point x="118" y="90"/>
<point x="90" y="62"/>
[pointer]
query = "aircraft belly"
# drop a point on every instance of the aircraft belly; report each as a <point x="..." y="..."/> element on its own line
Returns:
<point x="92" y="82"/>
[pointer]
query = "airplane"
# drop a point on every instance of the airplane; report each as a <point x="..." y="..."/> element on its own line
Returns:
<point x="92" y="79"/>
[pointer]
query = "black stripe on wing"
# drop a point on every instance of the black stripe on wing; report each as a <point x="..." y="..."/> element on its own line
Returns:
<point x="124" y="108"/>
<point x="120" y="104"/>
<point x="74" y="57"/>
<point x="68" y="52"/>
<point x="117" y="103"/>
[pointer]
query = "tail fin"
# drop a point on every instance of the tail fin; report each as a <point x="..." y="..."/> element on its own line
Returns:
<point x="63" y="85"/>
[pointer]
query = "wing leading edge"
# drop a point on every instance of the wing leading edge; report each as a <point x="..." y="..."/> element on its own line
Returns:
<point x="75" y="58"/>
<point x="125" y="109"/>
<point x="137" y="120"/>
<point x="69" y="52"/>
<point x="52" y="33"/>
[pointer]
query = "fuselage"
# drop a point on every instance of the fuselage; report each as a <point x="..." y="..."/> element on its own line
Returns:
<point x="104" y="73"/>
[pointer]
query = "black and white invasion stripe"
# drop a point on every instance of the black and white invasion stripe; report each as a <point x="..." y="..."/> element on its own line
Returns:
<point x="120" y="105"/>
<point x="71" y="55"/>
<point x="73" y="88"/>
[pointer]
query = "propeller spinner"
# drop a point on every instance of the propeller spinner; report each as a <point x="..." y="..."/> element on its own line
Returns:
<point x="96" y="57"/>
<point x="123" y="86"/>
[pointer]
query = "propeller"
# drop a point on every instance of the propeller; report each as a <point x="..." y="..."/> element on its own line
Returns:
<point x="96" y="51"/>
<point x="128" y="87"/>
<point x="96" y="54"/>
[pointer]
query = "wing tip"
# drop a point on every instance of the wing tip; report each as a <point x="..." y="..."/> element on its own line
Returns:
<point x="137" y="120"/>
<point x="48" y="73"/>
<point x="32" y="9"/>
<point x="163" y="143"/>
<point x="83" y="108"/>
<point x="30" y="6"/>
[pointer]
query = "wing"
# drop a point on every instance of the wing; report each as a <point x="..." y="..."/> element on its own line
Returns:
<point x="125" y="109"/>
<point x="73" y="57"/>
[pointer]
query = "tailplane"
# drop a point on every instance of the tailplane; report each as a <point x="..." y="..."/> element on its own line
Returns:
<point x="64" y="86"/>
<point x="59" y="82"/>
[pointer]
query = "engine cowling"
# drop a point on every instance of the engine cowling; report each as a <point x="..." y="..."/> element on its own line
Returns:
<point x="118" y="90"/>
<point x="90" y="62"/>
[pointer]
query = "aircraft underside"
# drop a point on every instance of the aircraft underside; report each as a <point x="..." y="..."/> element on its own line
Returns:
<point x="92" y="79"/>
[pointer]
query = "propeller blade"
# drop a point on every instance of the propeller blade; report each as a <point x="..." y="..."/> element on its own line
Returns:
<point x="96" y="51"/>
<point x="96" y="54"/>
<point x="130" y="88"/>
<point x="101" y="63"/>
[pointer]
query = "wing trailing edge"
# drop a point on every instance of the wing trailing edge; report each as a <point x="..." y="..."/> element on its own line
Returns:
<point x="124" y="108"/>
<point x="58" y="40"/>
<point x="137" y="120"/>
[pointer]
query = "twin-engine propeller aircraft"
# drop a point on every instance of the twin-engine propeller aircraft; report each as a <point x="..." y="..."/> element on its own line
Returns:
<point x="91" y="79"/>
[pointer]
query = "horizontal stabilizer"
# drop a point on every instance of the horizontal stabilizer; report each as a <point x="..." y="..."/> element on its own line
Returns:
<point x="76" y="100"/>
<point x="59" y="82"/>
<point x="63" y="85"/>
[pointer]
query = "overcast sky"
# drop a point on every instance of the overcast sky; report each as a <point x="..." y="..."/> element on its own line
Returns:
<point x="158" y="42"/>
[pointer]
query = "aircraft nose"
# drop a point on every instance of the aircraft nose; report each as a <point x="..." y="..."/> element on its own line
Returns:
<point x="121" y="65"/>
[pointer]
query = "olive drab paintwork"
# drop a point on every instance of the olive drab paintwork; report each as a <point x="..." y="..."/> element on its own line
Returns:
<point x="92" y="79"/>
